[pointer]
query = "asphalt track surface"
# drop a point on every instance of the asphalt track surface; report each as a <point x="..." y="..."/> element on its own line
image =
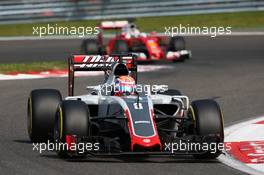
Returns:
<point x="227" y="69"/>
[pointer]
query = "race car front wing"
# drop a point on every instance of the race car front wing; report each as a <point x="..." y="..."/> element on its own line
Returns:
<point x="111" y="147"/>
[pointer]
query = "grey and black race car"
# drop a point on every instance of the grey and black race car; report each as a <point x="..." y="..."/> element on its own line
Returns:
<point x="160" y="122"/>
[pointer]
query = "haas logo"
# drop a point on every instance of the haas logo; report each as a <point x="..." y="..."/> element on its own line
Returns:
<point x="93" y="61"/>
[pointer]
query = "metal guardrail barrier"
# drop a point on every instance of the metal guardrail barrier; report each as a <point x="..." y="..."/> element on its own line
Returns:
<point x="22" y="11"/>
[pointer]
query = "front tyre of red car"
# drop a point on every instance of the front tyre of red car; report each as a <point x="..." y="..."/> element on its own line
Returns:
<point x="72" y="119"/>
<point x="208" y="121"/>
<point x="42" y="105"/>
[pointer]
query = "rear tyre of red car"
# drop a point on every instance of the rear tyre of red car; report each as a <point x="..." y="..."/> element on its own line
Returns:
<point x="208" y="122"/>
<point x="90" y="47"/>
<point x="42" y="106"/>
<point x="177" y="43"/>
<point x="72" y="118"/>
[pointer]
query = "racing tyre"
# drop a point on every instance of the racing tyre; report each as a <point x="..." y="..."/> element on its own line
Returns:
<point x="42" y="106"/>
<point x="90" y="46"/>
<point x="72" y="118"/>
<point x="120" y="47"/>
<point x="177" y="44"/>
<point x="208" y="122"/>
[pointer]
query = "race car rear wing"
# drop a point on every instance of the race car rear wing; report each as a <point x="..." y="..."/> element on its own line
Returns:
<point x="98" y="63"/>
<point x="109" y="25"/>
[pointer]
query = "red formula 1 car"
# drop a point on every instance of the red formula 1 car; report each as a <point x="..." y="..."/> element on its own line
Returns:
<point x="128" y="39"/>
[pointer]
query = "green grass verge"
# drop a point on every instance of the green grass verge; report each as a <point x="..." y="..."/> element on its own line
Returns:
<point x="147" y="24"/>
<point x="235" y="20"/>
<point x="33" y="66"/>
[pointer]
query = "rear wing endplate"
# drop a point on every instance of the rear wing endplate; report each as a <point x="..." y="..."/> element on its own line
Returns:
<point x="98" y="63"/>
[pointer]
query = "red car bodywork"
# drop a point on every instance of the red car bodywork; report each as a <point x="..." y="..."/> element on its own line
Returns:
<point x="154" y="47"/>
<point x="151" y="42"/>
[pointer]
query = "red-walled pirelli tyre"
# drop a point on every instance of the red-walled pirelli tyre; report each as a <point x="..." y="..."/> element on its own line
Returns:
<point x="208" y="121"/>
<point x="42" y="106"/>
<point x="72" y="118"/>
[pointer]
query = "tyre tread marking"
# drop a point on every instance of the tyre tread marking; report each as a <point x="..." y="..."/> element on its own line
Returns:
<point x="61" y="122"/>
<point x="30" y="115"/>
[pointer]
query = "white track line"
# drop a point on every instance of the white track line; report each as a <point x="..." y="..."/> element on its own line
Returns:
<point x="47" y="74"/>
<point x="238" y="132"/>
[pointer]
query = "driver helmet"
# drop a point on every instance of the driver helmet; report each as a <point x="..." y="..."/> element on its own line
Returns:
<point x="124" y="85"/>
<point x="133" y="26"/>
